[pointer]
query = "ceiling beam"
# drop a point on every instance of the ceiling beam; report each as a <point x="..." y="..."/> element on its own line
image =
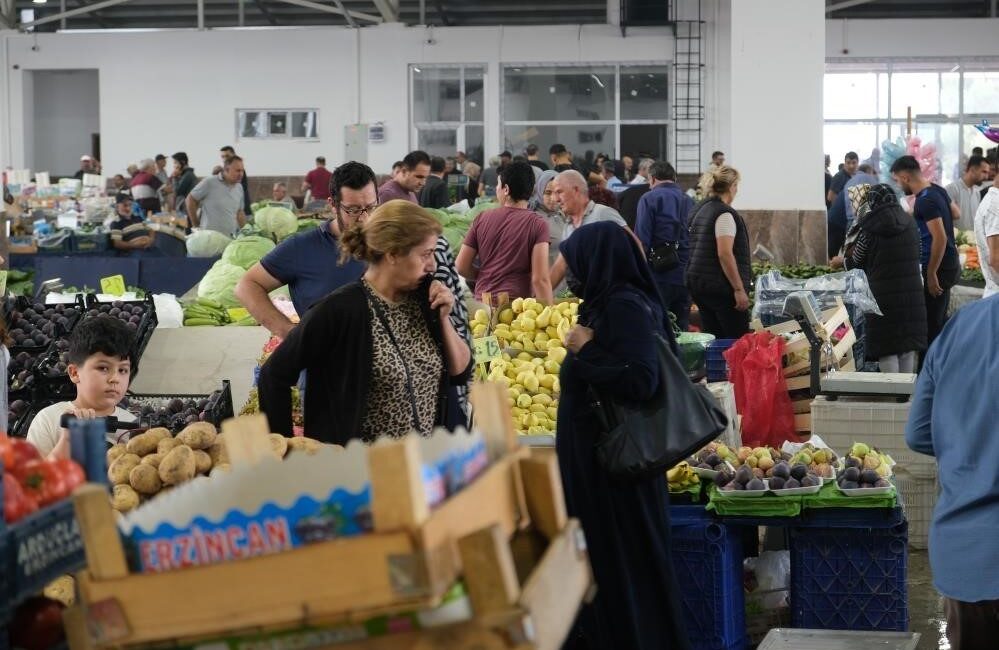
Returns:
<point x="346" y="14"/>
<point x="388" y="10"/>
<point x="265" y="11"/>
<point x="845" y="4"/>
<point x="358" y="15"/>
<point x="72" y="12"/>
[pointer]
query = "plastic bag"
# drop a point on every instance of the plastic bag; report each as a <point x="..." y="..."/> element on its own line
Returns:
<point x="757" y="370"/>
<point x="169" y="313"/>
<point x="773" y="577"/>
<point x="852" y="287"/>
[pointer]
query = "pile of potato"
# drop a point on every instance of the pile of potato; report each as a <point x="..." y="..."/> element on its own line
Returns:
<point x="155" y="462"/>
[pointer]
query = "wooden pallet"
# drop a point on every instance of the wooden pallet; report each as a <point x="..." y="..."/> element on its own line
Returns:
<point x="408" y="563"/>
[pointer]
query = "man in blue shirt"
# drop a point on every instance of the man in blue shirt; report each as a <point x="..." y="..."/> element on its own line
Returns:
<point x="953" y="419"/>
<point x="662" y="220"/>
<point x="308" y="263"/>
<point x="938" y="252"/>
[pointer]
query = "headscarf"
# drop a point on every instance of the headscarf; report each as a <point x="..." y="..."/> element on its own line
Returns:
<point x="538" y="198"/>
<point x="605" y="259"/>
<point x="881" y="195"/>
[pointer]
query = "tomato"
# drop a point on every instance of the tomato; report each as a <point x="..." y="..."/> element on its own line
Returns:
<point x="42" y="480"/>
<point x="16" y="503"/>
<point x="37" y="624"/>
<point x="72" y="474"/>
<point x="21" y="452"/>
<point x="6" y="452"/>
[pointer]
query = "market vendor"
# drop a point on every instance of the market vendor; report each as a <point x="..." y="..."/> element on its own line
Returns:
<point x="130" y="235"/>
<point x="381" y="354"/>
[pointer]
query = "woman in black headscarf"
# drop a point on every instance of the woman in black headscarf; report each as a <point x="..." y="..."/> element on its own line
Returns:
<point x="626" y="523"/>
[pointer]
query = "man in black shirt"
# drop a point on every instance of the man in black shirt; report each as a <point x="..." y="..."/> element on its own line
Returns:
<point x="86" y="167"/>
<point x="850" y="163"/>
<point x="532" y="157"/>
<point x="434" y="193"/>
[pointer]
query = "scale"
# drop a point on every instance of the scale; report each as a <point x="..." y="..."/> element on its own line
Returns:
<point x="804" y="308"/>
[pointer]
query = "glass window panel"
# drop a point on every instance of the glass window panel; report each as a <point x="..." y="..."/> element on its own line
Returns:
<point x="304" y="124"/>
<point x="474" y="94"/>
<point x="475" y="139"/>
<point x="436" y="94"/>
<point x="438" y="142"/>
<point x="252" y="124"/>
<point x="585" y="142"/>
<point x="277" y="123"/>
<point x="838" y="139"/>
<point x="644" y="93"/>
<point x="981" y="92"/>
<point x="919" y="90"/>
<point x="645" y="140"/>
<point x="950" y="93"/>
<point x="850" y="95"/>
<point x="558" y="94"/>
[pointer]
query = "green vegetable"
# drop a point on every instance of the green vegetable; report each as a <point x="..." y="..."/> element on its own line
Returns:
<point x="198" y="322"/>
<point x="206" y="243"/>
<point x="276" y="222"/>
<point x="247" y="251"/>
<point x="219" y="284"/>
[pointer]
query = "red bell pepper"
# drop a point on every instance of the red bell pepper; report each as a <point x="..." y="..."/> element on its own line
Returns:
<point x="43" y="480"/>
<point x="16" y="503"/>
<point x="72" y="474"/>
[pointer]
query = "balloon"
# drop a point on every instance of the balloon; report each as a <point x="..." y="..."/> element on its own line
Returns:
<point x="990" y="132"/>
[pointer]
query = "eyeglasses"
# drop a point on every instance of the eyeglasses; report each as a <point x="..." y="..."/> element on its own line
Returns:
<point x="357" y="210"/>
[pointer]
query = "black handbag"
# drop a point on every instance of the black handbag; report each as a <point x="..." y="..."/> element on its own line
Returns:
<point x="640" y="440"/>
<point x="664" y="257"/>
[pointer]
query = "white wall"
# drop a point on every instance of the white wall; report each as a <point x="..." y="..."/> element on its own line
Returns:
<point x="201" y="78"/>
<point x="65" y="112"/>
<point x="900" y="39"/>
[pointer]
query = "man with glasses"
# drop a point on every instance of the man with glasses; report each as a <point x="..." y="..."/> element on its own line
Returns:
<point x="308" y="262"/>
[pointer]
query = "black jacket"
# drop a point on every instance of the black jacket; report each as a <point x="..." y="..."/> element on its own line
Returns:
<point x="434" y="194"/>
<point x="627" y="202"/>
<point x="334" y="345"/>
<point x="704" y="272"/>
<point x="890" y="242"/>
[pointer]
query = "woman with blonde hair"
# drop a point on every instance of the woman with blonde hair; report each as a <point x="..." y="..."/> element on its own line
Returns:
<point x="720" y="272"/>
<point x="381" y="353"/>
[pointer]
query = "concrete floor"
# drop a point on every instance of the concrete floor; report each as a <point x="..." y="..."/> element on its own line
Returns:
<point x="925" y="604"/>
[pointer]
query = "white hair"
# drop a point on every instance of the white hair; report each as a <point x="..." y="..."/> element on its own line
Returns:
<point x="572" y="178"/>
<point x="645" y="165"/>
<point x="279" y="184"/>
<point x="494" y="161"/>
<point x="146" y="163"/>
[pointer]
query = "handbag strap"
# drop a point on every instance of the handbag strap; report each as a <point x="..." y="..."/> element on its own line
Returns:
<point x="377" y="307"/>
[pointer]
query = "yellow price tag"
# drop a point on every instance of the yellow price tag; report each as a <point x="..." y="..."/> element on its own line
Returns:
<point x="113" y="285"/>
<point x="486" y="349"/>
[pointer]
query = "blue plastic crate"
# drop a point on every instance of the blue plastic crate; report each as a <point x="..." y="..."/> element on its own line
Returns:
<point x="714" y="359"/>
<point x="849" y="579"/>
<point x="851" y="517"/>
<point x="707" y="559"/>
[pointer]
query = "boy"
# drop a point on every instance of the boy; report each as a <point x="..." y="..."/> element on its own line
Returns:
<point x="100" y="364"/>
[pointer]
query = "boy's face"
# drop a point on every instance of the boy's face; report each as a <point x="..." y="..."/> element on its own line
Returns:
<point x="101" y="382"/>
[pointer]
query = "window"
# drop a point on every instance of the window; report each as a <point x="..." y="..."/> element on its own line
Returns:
<point x="277" y="124"/>
<point x="591" y="109"/>
<point x="447" y="108"/>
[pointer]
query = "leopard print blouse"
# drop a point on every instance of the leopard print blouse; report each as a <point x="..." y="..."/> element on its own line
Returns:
<point x="389" y="408"/>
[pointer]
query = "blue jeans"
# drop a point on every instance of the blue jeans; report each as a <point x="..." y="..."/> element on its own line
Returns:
<point x="676" y="299"/>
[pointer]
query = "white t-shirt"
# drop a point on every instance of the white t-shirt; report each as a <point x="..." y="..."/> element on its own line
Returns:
<point x="725" y="226"/>
<point x="44" y="431"/>
<point x="987" y="225"/>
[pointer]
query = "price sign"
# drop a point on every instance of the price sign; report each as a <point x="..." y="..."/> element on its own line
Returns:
<point x="113" y="285"/>
<point x="486" y="349"/>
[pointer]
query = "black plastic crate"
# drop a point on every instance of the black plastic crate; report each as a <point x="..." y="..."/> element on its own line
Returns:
<point x="24" y="310"/>
<point x="157" y="410"/>
<point x="51" y="383"/>
<point x="95" y="242"/>
<point x="143" y="328"/>
<point x="18" y="423"/>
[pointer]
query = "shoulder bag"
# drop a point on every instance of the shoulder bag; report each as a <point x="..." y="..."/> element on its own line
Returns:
<point x="638" y="441"/>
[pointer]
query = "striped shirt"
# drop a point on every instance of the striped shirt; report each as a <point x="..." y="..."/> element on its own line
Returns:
<point x="448" y="275"/>
<point x="129" y="229"/>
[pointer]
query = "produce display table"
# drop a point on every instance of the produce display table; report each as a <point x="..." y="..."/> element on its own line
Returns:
<point x="174" y="275"/>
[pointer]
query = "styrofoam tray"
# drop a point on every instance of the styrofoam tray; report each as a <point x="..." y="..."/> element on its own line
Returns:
<point x="743" y="494"/>
<point x="781" y="639"/>
<point x="814" y="489"/>
<point x="865" y="492"/>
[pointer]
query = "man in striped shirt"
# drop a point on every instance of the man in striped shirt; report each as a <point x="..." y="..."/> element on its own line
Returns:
<point x="129" y="233"/>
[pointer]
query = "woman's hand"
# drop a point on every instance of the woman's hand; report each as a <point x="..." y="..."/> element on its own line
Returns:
<point x="441" y="298"/>
<point x="577" y="337"/>
<point x="836" y="262"/>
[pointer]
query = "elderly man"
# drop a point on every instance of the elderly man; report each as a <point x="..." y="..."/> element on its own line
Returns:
<point x="146" y="186"/>
<point x="279" y="195"/>
<point x="220" y="200"/>
<point x="86" y="167"/>
<point x="573" y="197"/>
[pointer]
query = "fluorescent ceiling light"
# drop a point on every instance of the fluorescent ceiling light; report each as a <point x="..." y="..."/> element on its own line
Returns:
<point x="597" y="79"/>
<point x="39" y="2"/>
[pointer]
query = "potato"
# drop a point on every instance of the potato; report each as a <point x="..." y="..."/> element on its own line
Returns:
<point x="143" y="444"/>
<point x="153" y="460"/>
<point x="160" y="433"/>
<point x="120" y="468"/>
<point x="177" y="466"/>
<point x="218" y="452"/>
<point x="145" y="479"/>
<point x="279" y="445"/>
<point x="301" y="443"/>
<point x="198" y="435"/>
<point x="124" y="498"/>
<point x="222" y="468"/>
<point x="202" y="461"/>
<point x="115" y="452"/>
<point x="166" y="445"/>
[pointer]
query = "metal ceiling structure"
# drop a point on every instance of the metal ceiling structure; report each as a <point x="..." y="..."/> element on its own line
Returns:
<point x="52" y="15"/>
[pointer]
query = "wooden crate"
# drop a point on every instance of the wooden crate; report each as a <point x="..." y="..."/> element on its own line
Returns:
<point x="408" y="563"/>
<point x="832" y="320"/>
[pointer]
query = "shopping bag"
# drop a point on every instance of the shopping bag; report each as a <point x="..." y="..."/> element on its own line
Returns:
<point x="757" y="371"/>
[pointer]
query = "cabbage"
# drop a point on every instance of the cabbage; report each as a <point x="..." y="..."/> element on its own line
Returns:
<point x="276" y="222"/>
<point x="247" y="251"/>
<point x="206" y="243"/>
<point x="219" y="284"/>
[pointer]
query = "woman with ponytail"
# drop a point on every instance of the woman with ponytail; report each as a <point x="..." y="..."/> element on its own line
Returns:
<point x="382" y="356"/>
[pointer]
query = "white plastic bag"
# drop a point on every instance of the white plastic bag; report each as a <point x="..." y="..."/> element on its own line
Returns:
<point x="773" y="576"/>
<point x="168" y="311"/>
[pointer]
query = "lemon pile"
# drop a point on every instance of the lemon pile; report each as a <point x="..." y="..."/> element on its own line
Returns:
<point x="531" y="376"/>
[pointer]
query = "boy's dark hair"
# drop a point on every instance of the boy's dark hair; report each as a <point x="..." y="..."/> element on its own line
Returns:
<point x="352" y="175"/>
<point x="906" y="164"/>
<point x="851" y="155"/>
<point x="104" y="335"/>
<point x="181" y="157"/>
<point x="229" y="149"/>
<point x="416" y="158"/>
<point x="531" y="150"/>
<point x="519" y="179"/>
<point x="974" y="161"/>
<point x="437" y="165"/>
<point x="557" y="150"/>
<point x="663" y="171"/>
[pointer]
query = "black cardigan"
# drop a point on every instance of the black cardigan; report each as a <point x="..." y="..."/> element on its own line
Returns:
<point x="334" y="344"/>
